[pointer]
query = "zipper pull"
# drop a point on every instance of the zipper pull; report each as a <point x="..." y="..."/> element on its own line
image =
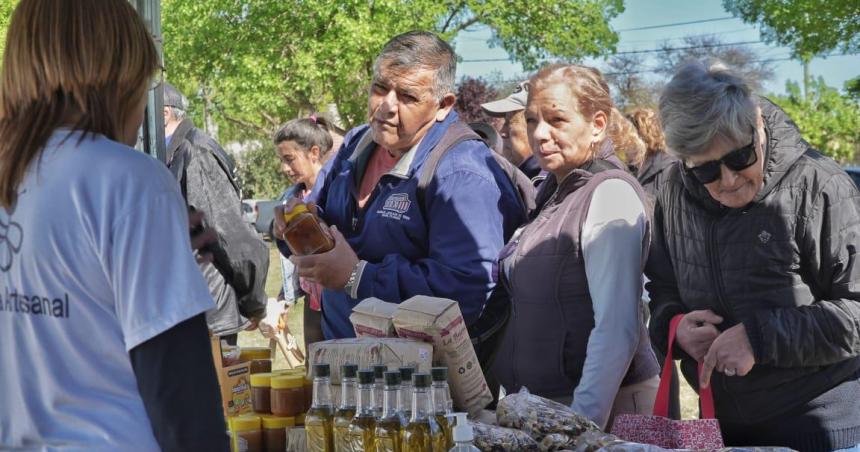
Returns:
<point x="354" y="223"/>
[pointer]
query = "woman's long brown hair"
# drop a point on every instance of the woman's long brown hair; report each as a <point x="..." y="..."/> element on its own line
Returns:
<point x="84" y="64"/>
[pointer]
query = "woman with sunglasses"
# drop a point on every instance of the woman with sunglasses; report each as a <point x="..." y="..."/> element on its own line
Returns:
<point x="755" y="240"/>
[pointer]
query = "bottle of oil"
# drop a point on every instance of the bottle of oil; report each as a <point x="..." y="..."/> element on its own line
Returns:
<point x="423" y="433"/>
<point x="318" y="420"/>
<point x="363" y="425"/>
<point x="389" y="425"/>
<point x="379" y="383"/>
<point x="405" y="396"/>
<point x="442" y="404"/>
<point x="346" y="411"/>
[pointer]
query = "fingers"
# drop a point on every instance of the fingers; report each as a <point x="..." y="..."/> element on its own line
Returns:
<point x="707" y="369"/>
<point x="704" y="316"/>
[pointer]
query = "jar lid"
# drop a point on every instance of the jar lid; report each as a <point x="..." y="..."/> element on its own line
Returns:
<point x="300" y="419"/>
<point x="244" y="423"/>
<point x="278" y="422"/>
<point x="249" y="353"/>
<point x="297" y="210"/>
<point x="288" y="382"/>
<point x="262" y="379"/>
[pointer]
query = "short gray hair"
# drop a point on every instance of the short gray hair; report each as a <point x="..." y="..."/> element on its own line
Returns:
<point x="178" y="113"/>
<point x="704" y="101"/>
<point x="421" y="49"/>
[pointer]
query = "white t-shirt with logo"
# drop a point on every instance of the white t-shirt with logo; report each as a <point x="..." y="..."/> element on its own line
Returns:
<point x="94" y="260"/>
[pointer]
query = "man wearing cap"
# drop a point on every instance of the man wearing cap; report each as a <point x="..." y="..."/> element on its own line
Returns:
<point x="207" y="178"/>
<point x="515" y="137"/>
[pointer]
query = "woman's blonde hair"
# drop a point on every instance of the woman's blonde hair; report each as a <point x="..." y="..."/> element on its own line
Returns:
<point x="628" y="145"/>
<point x="88" y="60"/>
<point x="647" y="123"/>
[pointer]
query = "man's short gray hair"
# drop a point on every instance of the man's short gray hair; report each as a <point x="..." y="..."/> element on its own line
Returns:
<point x="704" y="101"/>
<point x="178" y="113"/>
<point x="420" y="49"/>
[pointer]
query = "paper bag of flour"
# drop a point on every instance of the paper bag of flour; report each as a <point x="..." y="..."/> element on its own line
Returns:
<point x="439" y="321"/>
<point x="373" y="318"/>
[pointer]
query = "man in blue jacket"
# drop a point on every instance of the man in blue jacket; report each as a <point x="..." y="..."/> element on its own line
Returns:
<point x="387" y="245"/>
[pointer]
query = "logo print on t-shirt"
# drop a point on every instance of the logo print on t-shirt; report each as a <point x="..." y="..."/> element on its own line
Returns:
<point x="11" y="237"/>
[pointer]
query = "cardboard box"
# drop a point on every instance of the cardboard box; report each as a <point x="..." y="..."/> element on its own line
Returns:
<point x="439" y="321"/>
<point x="366" y="351"/>
<point x="373" y="318"/>
<point x="234" y="381"/>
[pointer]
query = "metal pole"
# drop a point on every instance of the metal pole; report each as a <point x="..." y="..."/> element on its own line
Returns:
<point x="152" y="132"/>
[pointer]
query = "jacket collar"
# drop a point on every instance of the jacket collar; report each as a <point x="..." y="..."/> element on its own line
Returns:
<point x="178" y="137"/>
<point x="552" y="188"/>
<point x="412" y="159"/>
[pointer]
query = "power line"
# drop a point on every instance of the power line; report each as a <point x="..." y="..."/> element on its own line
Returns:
<point x="675" y="24"/>
<point x="630" y="52"/>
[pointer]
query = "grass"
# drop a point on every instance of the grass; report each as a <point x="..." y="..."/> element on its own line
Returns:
<point x="689" y="398"/>
<point x="294" y="315"/>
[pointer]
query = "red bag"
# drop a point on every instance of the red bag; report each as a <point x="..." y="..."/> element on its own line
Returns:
<point x="659" y="430"/>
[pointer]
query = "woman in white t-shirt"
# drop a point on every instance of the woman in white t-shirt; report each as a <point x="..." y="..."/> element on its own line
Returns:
<point x="102" y="304"/>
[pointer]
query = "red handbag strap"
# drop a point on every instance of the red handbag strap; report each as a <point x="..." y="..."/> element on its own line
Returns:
<point x="661" y="404"/>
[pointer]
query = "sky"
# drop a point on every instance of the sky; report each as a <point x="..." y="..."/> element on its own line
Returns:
<point x="473" y="43"/>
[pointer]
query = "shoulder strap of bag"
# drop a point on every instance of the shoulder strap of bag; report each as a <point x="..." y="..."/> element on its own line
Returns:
<point x="661" y="404"/>
<point x="456" y="134"/>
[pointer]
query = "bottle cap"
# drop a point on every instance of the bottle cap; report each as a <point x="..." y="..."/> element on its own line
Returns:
<point x="349" y="370"/>
<point x="392" y="378"/>
<point x="379" y="371"/>
<point x="462" y="430"/>
<point x="439" y="373"/>
<point x="297" y="210"/>
<point x="244" y="423"/>
<point x="421" y="380"/>
<point x="406" y="373"/>
<point x="366" y="377"/>
<point x="322" y="370"/>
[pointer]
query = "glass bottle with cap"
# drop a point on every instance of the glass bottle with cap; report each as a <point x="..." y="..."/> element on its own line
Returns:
<point x="363" y="425"/>
<point x="463" y="435"/>
<point x="379" y="375"/>
<point x="304" y="234"/>
<point x="389" y="425"/>
<point x="422" y="434"/>
<point x="405" y="395"/>
<point x="442" y="402"/>
<point x="318" y="420"/>
<point x="346" y="411"/>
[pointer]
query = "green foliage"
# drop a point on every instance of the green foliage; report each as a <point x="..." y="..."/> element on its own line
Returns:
<point x="260" y="174"/>
<point x="828" y="120"/>
<point x="809" y="27"/>
<point x="256" y="64"/>
<point x="6" y="8"/>
<point x="852" y="88"/>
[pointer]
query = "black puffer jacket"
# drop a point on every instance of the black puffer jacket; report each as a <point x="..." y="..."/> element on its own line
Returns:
<point x="785" y="266"/>
<point x="237" y="277"/>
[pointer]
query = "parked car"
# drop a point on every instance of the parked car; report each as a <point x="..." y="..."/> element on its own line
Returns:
<point x="854" y="172"/>
<point x="265" y="213"/>
<point x="248" y="213"/>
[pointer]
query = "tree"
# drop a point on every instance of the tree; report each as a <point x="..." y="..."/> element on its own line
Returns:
<point x="828" y="120"/>
<point x="852" y="88"/>
<point x="742" y="59"/>
<point x="809" y="27"/>
<point x="260" y="173"/>
<point x="471" y="93"/>
<point x="6" y="8"/>
<point x="253" y="64"/>
<point x="626" y="75"/>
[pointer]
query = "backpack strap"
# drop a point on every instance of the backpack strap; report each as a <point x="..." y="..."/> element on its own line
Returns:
<point x="457" y="133"/>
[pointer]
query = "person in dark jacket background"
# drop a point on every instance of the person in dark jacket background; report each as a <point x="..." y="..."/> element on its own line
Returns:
<point x="206" y="176"/>
<point x="755" y="240"/>
<point x="515" y="140"/>
<point x="655" y="159"/>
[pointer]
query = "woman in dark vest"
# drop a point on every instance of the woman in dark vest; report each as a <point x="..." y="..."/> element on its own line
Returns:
<point x="574" y="271"/>
<point x="755" y="244"/>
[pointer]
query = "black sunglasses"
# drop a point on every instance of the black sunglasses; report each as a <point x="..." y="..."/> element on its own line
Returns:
<point x="737" y="160"/>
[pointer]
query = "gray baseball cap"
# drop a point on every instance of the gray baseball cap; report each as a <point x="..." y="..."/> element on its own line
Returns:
<point x="515" y="102"/>
<point x="173" y="98"/>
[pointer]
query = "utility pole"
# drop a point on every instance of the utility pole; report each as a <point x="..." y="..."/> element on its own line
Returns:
<point x="152" y="132"/>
